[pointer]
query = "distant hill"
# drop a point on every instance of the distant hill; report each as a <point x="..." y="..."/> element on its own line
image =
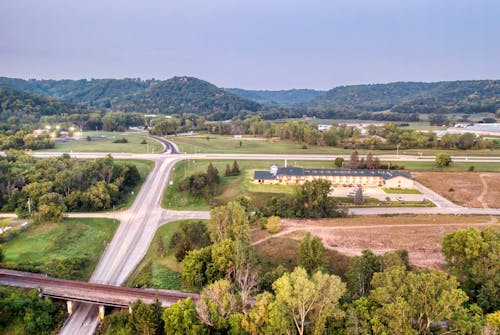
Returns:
<point x="172" y="96"/>
<point x="468" y="97"/>
<point x="18" y="106"/>
<point x="274" y="98"/>
<point x="401" y="101"/>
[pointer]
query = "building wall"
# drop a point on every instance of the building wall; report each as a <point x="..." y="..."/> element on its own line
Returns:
<point x="339" y="181"/>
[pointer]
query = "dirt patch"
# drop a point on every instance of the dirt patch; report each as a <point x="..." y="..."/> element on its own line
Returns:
<point x="469" y="189"/>
<point x="421" y="235"/>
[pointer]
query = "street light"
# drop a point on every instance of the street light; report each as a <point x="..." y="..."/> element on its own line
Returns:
<point x="397" y="149"/>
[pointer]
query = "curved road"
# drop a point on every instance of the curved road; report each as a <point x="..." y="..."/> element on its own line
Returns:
<point x="139" y="223"/>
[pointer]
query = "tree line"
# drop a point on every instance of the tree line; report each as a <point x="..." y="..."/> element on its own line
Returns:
<point x="49" y="187"/>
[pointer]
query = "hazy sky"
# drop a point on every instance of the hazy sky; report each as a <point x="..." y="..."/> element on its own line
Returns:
<point x="255" y="44"/>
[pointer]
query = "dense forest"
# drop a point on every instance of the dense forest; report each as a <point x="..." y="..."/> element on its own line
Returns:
<point x="173" y="96"/>
<point x="56" y="185"/>
<point x="401" y="101"/>
<point x="276" y="98"/>
<point x="410" y="98"/>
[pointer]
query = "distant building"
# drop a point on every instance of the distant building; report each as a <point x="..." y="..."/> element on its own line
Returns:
<point x="324" y="127"/>
<point x="338" y="177"/>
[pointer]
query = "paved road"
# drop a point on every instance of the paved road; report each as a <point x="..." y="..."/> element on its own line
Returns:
<point x="129" y="245"/>
<point x="140" y="222"/>
<point x="276" y="157"/>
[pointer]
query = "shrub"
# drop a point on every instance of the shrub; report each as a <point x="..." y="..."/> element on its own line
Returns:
<point x="471" y="168"/>
<point x="121" y="140"/>
<point x="273" y="224"/>
<point x="451" y="189"/>
<point x="144" y="141"/>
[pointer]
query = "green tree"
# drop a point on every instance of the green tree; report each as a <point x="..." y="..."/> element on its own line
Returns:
<point x="472" y="256"/>
<point x="414" y="302"/>
<point x="309" y="301"/>
<point x="339" y="162"/>
<point x="228" y="173"/>
<point x="273" y="224"/>
<point x="216" y="304"/>
<point x="312" y="254"/>
<point x="194" y="267"/>
<point x="51" y="207"/>
<point x="235" y="170"/>
<point x="213" y="175"/>
<point x="313" y="200"/>
<point x="360" y="272"/>
<point x="144" y="319"/>
<point x="443" y="160"/>
<point x="229" y="221"/>
<point x="2" y="256"/>
<point x="181" y="319"/>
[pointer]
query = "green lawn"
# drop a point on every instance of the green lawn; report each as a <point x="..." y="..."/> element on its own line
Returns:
<point x="144" y="167"/>
<point x="133" y="146"/>
<point x="232" y="187"/>
<point x="159" y="268"/>
<point x="34" y="248"/>
<point x="250" y="145"/>
<point x="401" y="191"/>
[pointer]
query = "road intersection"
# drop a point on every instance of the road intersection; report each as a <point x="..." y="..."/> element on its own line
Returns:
<point x="139" y="223"/>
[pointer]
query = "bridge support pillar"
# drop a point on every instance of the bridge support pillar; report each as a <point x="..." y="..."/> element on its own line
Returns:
<point x="70" y="305"/>
<point x="101" y="312"/>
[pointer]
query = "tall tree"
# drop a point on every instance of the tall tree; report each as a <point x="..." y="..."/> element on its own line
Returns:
<point x="414" y="302"/>
<point x="354" y="160"/>
<point x="360" y="272"/>
<point x="473" y="256"/>
<point x="309" y="301"/>
<point x="181" y="318"/>
<point x="229" y="221"/>
<point x="311" y="253"/>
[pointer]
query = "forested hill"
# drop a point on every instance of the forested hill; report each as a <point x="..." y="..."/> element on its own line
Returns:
<point x="172" y="96"/>
<point x="190" y="95"/>
<point x="281" y="97"/>
<point x="18" y="106"/>
<point x="474" y="96"/>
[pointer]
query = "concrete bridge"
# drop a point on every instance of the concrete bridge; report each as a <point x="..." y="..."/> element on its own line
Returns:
<point x="74" y="291"/>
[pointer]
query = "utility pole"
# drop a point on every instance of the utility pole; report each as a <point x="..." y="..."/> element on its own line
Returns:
<point x="397" y="150"/>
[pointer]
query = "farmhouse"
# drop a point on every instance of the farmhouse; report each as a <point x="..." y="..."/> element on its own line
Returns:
<point x="338" y="177"/>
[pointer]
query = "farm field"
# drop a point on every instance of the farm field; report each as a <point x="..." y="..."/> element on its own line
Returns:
<point x="133" y="146"/>
<point x="159" y="268"/>
<point x="257" y="145"/>
<point x="76" y="243"/>
<point x="469" y="189"/>
<point x="421" y="235"/>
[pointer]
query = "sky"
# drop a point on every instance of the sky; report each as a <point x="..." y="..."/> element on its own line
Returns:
<point x="252" y="44"/>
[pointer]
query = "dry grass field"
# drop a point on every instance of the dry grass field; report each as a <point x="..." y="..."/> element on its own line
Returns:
<point x="469" y="189"/>
<point x="421" y="235"/>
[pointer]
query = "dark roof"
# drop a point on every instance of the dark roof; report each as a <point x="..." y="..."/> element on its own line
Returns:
<point x="264" y="175"/>
<point x="291" y="171"/>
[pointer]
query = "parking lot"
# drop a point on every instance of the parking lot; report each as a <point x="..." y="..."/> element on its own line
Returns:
<point x="377" y="193"/>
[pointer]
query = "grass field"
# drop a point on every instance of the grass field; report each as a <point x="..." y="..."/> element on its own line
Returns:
<point x="159" y="268"/>
<point x="250" y="145"/>
<point x="464" y="188"/>
<point x="133" y="146"/>
<point x="144" y="167"/>
<point x="38" y="245"/>
<point x="232" y="187"/>
<point x="400" y="191"/>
